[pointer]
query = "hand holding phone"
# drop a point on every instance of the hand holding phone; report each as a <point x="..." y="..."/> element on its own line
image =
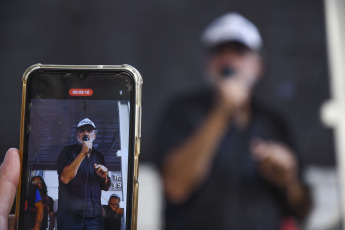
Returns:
<point x="94" y="108"/>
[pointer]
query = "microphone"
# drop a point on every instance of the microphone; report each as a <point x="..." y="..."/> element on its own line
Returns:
<point x="86" y="138"/>
<point x="228" y="71"/>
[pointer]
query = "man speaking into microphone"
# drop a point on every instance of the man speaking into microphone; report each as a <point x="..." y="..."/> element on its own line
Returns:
<point x="82" y="176"/>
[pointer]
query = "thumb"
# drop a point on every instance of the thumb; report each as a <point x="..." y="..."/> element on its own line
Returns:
<point x="9" y="179"/>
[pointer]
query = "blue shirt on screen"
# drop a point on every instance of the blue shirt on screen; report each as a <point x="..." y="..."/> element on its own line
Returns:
<point x="37" y="196"/>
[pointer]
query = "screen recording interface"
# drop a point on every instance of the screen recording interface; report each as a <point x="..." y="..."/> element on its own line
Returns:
<point x="77" y="144"/>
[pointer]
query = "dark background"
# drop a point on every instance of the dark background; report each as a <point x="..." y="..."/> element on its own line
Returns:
<point x="48" y="124"/>
<point x="160" y="38"/>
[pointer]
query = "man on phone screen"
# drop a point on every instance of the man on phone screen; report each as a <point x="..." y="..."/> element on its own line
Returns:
<point x="82" y="176"/>
<point x="227" y="161"/>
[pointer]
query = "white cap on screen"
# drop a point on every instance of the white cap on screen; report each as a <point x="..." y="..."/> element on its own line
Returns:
<point x="86" y="121"/>
<point x="231" y="27"/>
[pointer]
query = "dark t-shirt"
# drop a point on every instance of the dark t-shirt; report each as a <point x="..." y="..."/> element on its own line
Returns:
<point x="82" y="195"/>
<point x="234" y="195"/>
<point x="112" y="221"/>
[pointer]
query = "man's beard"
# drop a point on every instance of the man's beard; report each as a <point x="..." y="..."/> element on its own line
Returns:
<point x="80" y="141"/>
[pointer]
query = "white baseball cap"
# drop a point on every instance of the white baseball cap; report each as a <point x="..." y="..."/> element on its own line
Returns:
<point x="114" y="195"/>
<point x="231" y="27"/>
<point x="86" y="121"/>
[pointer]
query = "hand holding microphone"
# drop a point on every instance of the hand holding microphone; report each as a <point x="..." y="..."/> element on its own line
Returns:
<point x="234" y="90"/>
<point x="87" y="145"/>
<point x="233" y="94"/>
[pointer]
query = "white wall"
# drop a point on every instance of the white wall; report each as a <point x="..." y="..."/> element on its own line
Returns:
<point x="333" y="112"/>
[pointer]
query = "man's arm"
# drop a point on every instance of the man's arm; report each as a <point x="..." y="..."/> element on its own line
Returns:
<point x="298" y="199"/>
<point x="278" y="165"/>
<point x="70" y="171"/>
<point x="187" y="166"/>
<point x="106" y="184"/>
<point x="102" y="172"/>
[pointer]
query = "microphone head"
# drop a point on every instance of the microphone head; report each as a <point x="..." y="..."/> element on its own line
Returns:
<point x="85" y="138"/>
<point x="228" y="71"/>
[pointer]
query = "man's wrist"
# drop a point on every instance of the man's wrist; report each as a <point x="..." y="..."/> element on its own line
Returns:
<point x="293" y="186"/>
<point x="223" y="113"/>
<point x="106" y="179"/>
<point x="83" y="153"/>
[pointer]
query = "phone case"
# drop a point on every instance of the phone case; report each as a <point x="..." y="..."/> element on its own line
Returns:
<point x="137" y="127"/>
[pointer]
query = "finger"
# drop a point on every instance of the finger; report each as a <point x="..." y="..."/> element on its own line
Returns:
<point x="270" y="165"/>
<point x="281" y="156"/>
<point x="263" y="149"/>
<point x="259" y="149"/>
<point x="9" y="179"/>
<point x="266" y="165"/>
<point x="99" y="168"/>
<point x="103" y="170"/>
<point x="273" y="172"/>
<point x="255" y="141"/>
<point x="102" y="167"/>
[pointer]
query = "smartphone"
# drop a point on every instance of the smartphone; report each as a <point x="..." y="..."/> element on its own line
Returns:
<point x="79" y="147"/>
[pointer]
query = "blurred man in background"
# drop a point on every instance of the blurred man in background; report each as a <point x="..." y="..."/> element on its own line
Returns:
<point x="227" y="161"/>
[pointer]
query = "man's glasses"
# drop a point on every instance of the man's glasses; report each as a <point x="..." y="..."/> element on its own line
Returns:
<point x="36" y="182"/>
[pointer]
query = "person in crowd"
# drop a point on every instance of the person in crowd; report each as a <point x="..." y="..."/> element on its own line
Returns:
<point x="82" y="175"/>
<point x="113" y="214"/>
<point x="227" y="160"/>
<point x="47" y="201"/>
<point x="34" y="209"/>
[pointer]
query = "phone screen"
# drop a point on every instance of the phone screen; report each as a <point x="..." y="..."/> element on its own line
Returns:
<point x="76" y="154"/>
